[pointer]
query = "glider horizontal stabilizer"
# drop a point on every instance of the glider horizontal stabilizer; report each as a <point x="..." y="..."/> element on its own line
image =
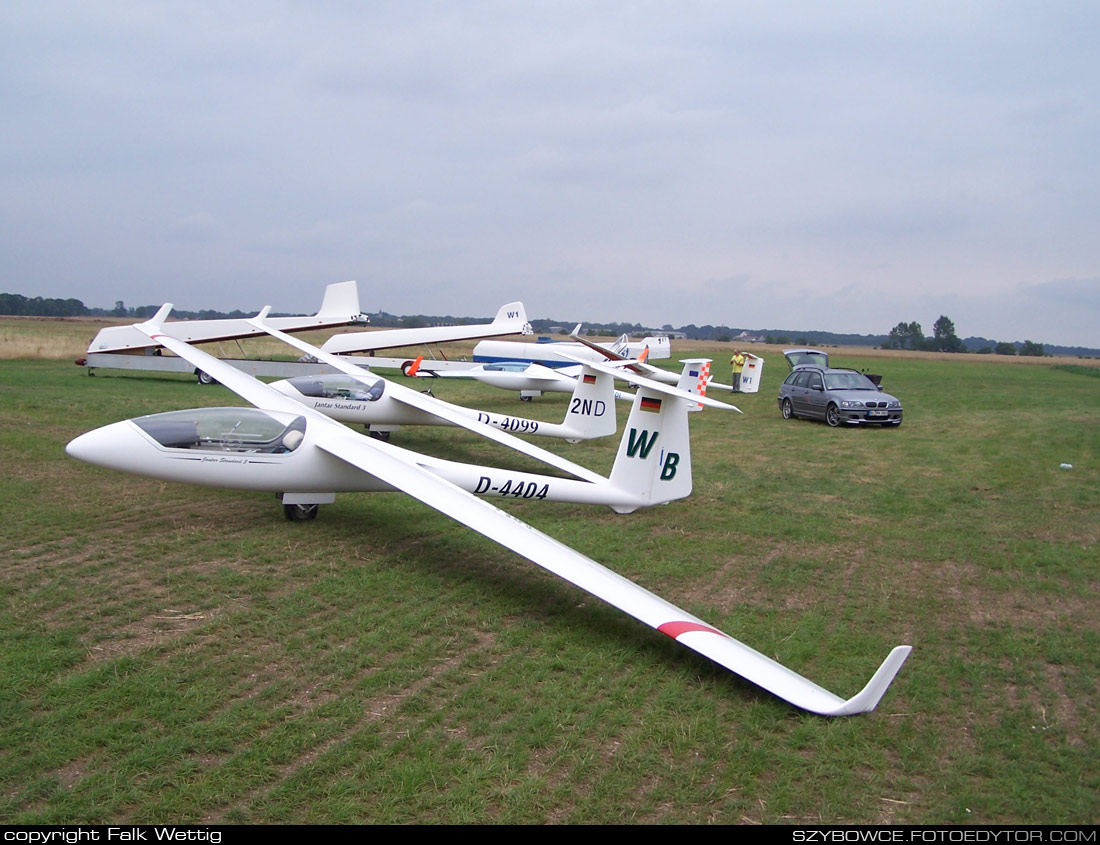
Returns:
<point x="621" y="372"/>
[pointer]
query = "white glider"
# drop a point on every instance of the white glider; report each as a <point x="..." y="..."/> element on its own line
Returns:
<point x="366" y="399"/>
<point x="339" y="307"/>
<point x="283" y="441"/>
<point x="510" y="319"/>
<point x="363" y="398"/>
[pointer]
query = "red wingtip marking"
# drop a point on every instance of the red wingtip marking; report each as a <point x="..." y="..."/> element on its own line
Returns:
<point x="643" y="356"/>
<point x="415" y="365"/>
<point x="675" y="629"/>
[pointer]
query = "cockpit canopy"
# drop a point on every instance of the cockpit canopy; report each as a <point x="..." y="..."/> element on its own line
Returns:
<point x="225" y="430"/>
<point x="338" y="387"/>
<point x="507" y="366"/>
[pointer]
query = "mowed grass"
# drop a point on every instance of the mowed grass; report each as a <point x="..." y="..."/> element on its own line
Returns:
<point x="171" y="653"/>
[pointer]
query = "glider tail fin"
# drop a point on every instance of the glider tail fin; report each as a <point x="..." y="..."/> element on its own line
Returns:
<point x="654" y="458"/>
<point x="512" y="317"/>
<point x="341" y="302"/>
<point x="591" y="412"/>
<point x="695" y="377"/>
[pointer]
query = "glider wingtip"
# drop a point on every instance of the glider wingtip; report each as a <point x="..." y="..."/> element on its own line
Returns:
<point x="153" y="324"/>
<point x="868" y="698"/>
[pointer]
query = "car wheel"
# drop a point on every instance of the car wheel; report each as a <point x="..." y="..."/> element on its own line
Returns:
<point x="786" y="410"/>
<point x="832" y="415"/>
<point x="300" y="513"/>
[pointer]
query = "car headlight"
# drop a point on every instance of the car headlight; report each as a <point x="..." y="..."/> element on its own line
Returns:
<point x="851" y="403"/>
<point x="895" y="404"/>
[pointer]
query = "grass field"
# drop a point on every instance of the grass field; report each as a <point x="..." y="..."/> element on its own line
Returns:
<point x="176" y="654"/>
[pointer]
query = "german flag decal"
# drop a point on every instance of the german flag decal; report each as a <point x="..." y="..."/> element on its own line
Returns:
<point x="651" y="405"/>
<point x="589" y="378"/>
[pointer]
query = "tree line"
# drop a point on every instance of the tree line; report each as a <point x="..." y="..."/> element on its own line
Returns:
<point x="902" y="336"/>
<point x="14" y="304"/>
<point x="17" y="305"/>
<point x="944" y="339"/>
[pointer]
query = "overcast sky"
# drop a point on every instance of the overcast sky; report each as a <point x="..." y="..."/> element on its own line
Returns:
<point x="803" y="165"/>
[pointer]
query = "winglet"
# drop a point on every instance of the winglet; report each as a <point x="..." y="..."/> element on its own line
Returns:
<point x="263" y="314"/>
<point x="157" y="320"/>
<point x="868" y="698"/>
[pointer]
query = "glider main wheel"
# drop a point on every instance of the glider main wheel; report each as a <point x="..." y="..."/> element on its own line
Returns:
<point x="300" y="513"/>
<point x="205" y="378"/>
<point x="526" y="398"/>
<point x="384" y="436"/>
<point x="786" y="410"/>
<point x="832" y="415"/>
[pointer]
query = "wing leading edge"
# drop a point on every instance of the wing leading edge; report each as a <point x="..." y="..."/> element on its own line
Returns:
<point x="605" y="584"/>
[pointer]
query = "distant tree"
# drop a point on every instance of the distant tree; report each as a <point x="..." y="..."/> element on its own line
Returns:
<point x="905" y="336"/>
<point x="1005" y="348"/>
<point x="120" y="308"/>
<point x="1034" y="349"/>
<point x="943" y="336"/>
<point x="783" y="340"/>
<point x="14" y="303"/>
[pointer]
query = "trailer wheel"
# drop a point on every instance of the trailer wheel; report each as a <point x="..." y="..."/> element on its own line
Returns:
<point x="406" y="367"/>
<point x="205" y="378"/>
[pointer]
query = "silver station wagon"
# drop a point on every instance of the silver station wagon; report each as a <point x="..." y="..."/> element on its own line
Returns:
<point x="840" y="397"/>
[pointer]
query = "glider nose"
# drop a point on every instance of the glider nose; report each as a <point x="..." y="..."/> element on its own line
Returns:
<point x="99" y="446"/>
<point x="286" y="388"/>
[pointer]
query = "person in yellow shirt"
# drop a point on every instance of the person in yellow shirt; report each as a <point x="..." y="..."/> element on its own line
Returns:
<point x="738" y="364"/>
